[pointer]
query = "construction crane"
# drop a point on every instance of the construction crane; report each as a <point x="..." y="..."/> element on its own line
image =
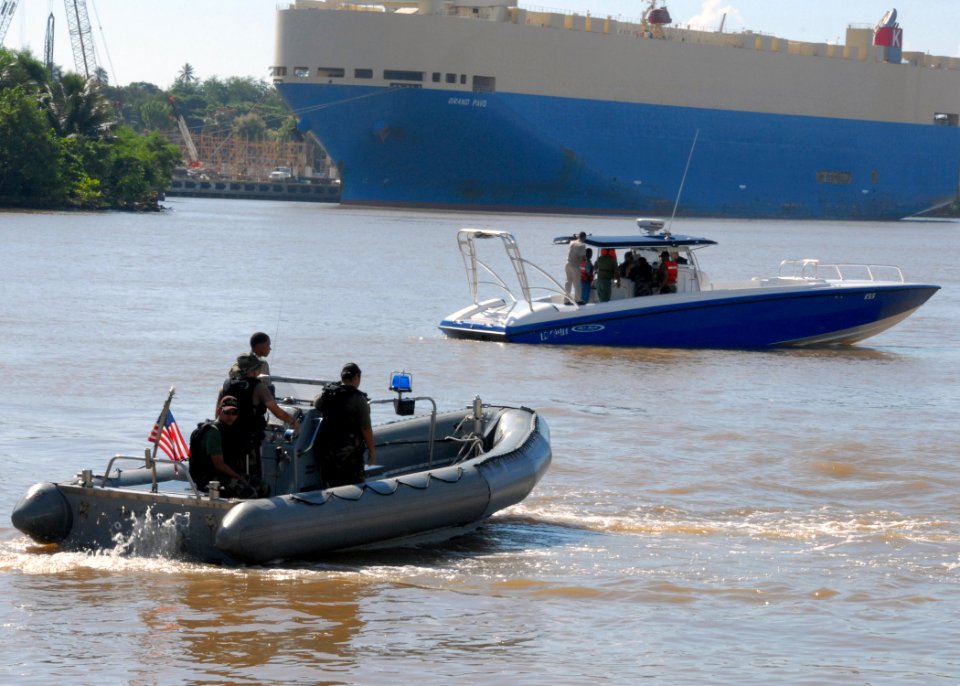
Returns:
<point x="48" y="45"/>
<point x="7" y="8"/>
<point x="196" y="166"/>
<point x="81" y="36"/>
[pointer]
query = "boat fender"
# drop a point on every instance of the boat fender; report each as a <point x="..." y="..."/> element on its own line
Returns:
<point x="311" y="498"/>
<point x="449" y="475"/>
<point x="419" y="481"/>
<point x="383" y="487"/>
<point x="44" y="514"/>
<point x="351" y="492"/>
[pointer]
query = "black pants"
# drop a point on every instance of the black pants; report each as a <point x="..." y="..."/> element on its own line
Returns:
<point x="341" y="467"/>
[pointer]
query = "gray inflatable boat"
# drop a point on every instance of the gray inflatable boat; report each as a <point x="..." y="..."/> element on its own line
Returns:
<point x="436" y="474"/>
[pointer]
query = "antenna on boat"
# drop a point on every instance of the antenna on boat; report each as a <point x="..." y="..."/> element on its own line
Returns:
<point x="683" y="180"/>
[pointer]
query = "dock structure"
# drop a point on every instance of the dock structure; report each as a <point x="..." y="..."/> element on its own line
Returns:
<point x="254" y="190"/>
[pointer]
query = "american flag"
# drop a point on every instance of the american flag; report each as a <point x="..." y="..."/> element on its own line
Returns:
<point x="170" y="440"/>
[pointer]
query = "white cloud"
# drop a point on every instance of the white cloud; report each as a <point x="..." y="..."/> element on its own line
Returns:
<point x="712" y="14"/>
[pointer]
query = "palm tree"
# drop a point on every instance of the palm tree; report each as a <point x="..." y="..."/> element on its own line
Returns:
<point x="76" y="107"/>
<point x="20" y="68"/>
<point x="186" y="77"/>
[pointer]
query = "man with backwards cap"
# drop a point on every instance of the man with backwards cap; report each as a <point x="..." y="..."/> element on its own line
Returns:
<point x="344" y="431"/>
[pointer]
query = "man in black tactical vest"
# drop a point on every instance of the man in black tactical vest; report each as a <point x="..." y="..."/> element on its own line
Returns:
<point x="216" y="451"/>
<point x="253" y="400"/>
<point x="344" y="431"/>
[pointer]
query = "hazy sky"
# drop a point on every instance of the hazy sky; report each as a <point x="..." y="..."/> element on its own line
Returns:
<point x="141" y="40"/>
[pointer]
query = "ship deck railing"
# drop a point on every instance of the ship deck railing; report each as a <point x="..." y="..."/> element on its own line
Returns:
<point x="809" y="269"/>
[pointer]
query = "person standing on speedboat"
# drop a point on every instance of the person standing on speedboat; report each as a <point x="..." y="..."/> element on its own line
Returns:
<point x="606" y="272"/>
<point x="344" y="430"/>
<point x="578" y="249"/>
<point x="586" y="277"/>
<point x="667" y="273"/>
<point x="259" y="346"/>
<point x="253" y="400"/>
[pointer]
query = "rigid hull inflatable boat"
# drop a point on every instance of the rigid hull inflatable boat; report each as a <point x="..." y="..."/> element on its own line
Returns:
<point x="434" y="473"/>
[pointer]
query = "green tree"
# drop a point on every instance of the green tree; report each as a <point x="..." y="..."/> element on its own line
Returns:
<point x="156" y="115"/>
<point x="22" y="69"/>
<point x="249" y="126"/>
<point x="129" y="101"/>
<point x="130" y="170"/>
<point x="29" y="154"/>
<point x="76" y="107"/>
<point x="288" y="130"/>
<point x="186" y="79"/>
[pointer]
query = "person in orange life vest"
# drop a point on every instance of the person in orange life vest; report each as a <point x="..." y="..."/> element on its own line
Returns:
<point x="667" y="273"/>
<point x="586" y="277"/>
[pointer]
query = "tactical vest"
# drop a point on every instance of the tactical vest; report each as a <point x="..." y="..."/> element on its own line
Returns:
<point x="336" y="430"/>
<point x="201" y="466"/>
<point x="251" y="419"/>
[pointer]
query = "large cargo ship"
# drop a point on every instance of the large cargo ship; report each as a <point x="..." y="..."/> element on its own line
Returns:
<point x="483" y="105"/>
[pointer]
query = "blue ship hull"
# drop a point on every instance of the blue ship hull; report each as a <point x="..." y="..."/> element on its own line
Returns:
<point x="414" y="147"/>
<point x="757" y="320"/>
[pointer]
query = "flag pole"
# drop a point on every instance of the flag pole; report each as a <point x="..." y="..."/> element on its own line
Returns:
<point x="161" y="422"/>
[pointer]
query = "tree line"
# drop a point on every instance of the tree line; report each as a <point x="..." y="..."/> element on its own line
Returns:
<point x="67" y="141"/>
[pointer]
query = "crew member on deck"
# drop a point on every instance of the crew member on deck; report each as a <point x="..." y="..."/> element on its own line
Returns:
<point x="578" y="249"/>
<point x="667" y="273"/>
<point x="216" y="451"/>
<point x="344" y="430"/>
<point x="253" y="401"/>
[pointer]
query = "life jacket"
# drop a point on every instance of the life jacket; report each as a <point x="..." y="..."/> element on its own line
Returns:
<point x="251" y="419"/>
<point x="670" y="267"/>
<point x="586" y="271"/>
<point x="335" y="429"/>
<point x="201" y="466"/>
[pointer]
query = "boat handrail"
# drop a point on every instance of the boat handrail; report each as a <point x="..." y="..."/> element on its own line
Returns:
<point x="148" y="462"/>
<point x="499" y="283"/>
<point x="299" y="380"/>
<point x="433" y="420"/>
<point x="815" y="270"/>
<point x="556" y="288"/>
<point x="468" y="251"/>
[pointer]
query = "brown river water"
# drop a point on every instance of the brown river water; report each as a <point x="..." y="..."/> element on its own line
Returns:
<point x="723" y="517"/>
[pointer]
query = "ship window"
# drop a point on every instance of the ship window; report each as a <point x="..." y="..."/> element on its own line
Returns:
<point x="451" y="78"/>
<point x="838" y="178"/>
<point x="330" y="72"/>
<point x="279" y="71"/>
<point x="301" y="72"/>
<point x="400" y="75"/>
<point x="484" y="84"/>
<point x="363" y="73"/>
<point x="436" y="77"/>
<point x="944" y="119"/>
<point x="463" y="79"/>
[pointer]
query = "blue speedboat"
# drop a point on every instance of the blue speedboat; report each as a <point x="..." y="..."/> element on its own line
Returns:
<point x="808" y="303"/>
